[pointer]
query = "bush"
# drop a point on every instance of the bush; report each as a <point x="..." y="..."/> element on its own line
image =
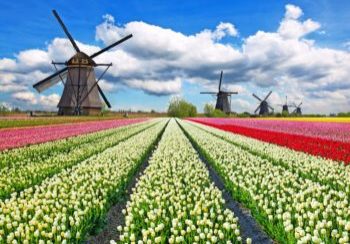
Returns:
<point x="178" y="107"/>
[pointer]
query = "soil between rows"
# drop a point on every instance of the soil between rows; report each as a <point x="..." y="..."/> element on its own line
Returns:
<point x="115" y="217"/>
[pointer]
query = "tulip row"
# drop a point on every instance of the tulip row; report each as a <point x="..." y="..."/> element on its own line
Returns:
<point x="327" y="148"/>
<point x="291" y="208"/>
<point x="42" y="151"/>
<point x="31" y="172"/>
<point x="65" y="207"/>
<point x="330" y="131"/>
<point x="18" y="137"/>
<point x="327" y="172"/>
<point x="174" y="200"/>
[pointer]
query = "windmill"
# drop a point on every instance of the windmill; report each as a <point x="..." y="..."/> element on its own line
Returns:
<point x="285" y="106"/>
<point x="264" y="107"/>
<point x="81" y="90"/>
<point x="297" y="109"/>
<point x="223" y="101"/>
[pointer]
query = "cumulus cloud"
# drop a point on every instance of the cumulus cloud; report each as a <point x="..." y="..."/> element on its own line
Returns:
<point x="26" y="96"/>
<point x="155" y="87"/>
<point x="158" y="60"/>
<point x="49" y="101"/>
<point x="292" y="27"/>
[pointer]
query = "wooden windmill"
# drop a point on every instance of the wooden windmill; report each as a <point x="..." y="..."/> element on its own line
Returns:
<point x="81" y="93"/>
<point x="223" y="101"/>
<point x="264" y="107"/>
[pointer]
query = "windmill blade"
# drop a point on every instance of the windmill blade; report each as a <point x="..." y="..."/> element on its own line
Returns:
<point x="111" y="46"/>
<point x="267" y="96"/>
<point x="230" y="93"/>
<point x="51" y="80"/>
<point x="294" y="111"/>
<point x="103" y="96"/>
<point x="256" y="110"/>
<point x="208" y="92"/>
<point x="271" y="107"/>
<point x="300" y="104"/>
<point x="257" y="97"/>
<point x="66" y="31"/>
<point x="220" y="80"/>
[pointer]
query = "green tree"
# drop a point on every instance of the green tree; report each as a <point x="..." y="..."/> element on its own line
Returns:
<point x="209" y="110"/>
<point x="178" y="107"/>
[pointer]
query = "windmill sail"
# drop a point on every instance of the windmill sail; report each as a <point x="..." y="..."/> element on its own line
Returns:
<point x="51" y="81"/>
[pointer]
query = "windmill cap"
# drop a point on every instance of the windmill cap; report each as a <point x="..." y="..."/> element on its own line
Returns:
<point x="81" y="59"/>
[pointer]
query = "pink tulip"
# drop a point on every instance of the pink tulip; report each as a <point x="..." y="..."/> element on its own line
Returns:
<point x="18" y="137"/>
<point x="324" y="130"/>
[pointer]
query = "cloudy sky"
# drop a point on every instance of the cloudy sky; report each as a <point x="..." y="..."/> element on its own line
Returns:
<point x="299" y="49"/>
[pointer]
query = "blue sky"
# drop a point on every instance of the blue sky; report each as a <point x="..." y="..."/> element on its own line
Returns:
<point x="29" y="25"/>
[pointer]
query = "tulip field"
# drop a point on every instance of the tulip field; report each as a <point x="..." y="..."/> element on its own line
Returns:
<point x="180" y="181"/>
<point x="329" y="140"/>
<point x="17" y="137"/>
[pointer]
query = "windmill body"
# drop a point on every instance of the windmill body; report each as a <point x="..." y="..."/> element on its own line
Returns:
<point x="297" y="110"/>
<point x="264" y="108"/>
<point x="81" y="93"/>
<point x="285" y="109"/>
<point x="223" y="100"/>
<point x="285" y="106"/>
<point x="80" y="80"/>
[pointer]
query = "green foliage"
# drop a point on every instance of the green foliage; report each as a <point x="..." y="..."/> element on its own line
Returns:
<point x="244" y="115"/>
<point x="210" y="111"/>
<point x="219" y="114"/>
<point x="179" y="108"/>
<point x="344" y="114"/>
<point x="285" y="114"/>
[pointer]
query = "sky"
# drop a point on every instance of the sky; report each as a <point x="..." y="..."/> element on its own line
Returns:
<point x="299" y="49"/>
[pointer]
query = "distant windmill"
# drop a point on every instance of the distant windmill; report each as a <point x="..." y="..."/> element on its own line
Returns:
<point x="285" y="106"/>
<point x="264" y="108"/>
<point x="81" y="90"/>
<point x="223" y="101"/>
<point x="297" y="109"/>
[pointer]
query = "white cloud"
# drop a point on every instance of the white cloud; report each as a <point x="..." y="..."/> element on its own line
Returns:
<point x="291" y="27"/>
<point x="27" y="97"/>
<point x="157" y="87"/>
<point x="49" y="101"/>
<point x="107" y="86"/>
<point x="157" y="60"/>
<point x="224" y="29"/>
<point x="238" y="104"/>
<point x="293" y="12"/>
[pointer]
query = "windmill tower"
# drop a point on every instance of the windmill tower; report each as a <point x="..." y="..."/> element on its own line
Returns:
<point x="81" y="93"/>
<point x="223" y="101"/>
<point x="297" y="110"/>
<point x="264" y="108"/>
<point x="285" y="106"/>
